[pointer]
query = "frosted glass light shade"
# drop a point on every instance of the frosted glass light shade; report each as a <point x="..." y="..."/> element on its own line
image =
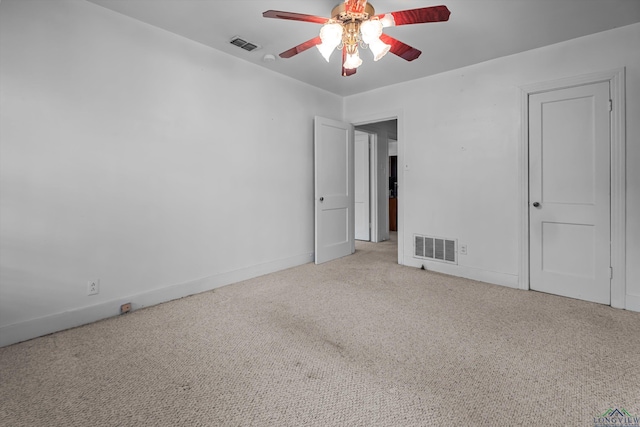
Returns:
<point x="379" y="49"/>
<point x="331" y="33"/>
<point x="331" y="36"/>
<point x="370" y="30"/>
<point x="326" y="50"/>
<point x="352" y="61"/>
<point x="388" y="20"/>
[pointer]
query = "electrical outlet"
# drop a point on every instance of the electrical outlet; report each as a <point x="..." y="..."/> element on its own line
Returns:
<point x="463" y="249"/>
<point x="93" y="287"/>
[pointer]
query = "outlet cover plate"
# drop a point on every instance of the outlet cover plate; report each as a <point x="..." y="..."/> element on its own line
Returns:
<point x="93" y="287"/>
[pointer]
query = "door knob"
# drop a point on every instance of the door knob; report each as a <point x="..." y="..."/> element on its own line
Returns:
<point x="322" y="199"/>
<point x="536" y="204"/>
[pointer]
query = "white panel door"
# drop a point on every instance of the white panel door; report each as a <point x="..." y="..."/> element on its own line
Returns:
<point x="334" y="189"/>
<point x="362" y="181"/>
<point x="569" y="192"/>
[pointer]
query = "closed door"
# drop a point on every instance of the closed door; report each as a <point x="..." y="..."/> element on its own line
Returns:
<point x="334" y="188"/>
<point x="569" y="192"/>
<point x="362" y="178"/>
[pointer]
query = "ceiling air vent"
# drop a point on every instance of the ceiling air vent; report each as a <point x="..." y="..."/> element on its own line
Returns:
<point x="435" y="248"/>
<point x="241" y="43"/>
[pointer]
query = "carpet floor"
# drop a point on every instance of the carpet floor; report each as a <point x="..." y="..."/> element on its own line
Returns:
<point x="360" y="341"/>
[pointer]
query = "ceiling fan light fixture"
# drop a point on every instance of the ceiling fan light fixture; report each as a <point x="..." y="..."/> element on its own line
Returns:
<point x="353" y="24"/>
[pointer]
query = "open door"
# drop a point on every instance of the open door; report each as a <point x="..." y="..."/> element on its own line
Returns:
<point x="362" y="184"/>
<point x="334" y="189"/>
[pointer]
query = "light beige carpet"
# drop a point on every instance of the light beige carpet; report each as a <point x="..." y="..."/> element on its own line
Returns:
<point x="356" y="342"/>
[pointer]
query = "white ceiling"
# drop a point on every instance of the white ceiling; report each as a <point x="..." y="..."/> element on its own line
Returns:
<point x="478" y="30"/>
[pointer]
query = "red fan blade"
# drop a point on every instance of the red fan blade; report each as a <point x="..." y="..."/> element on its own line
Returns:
<point x="346" y="72"/>
<point x="278" y="14"/>
<point x="403" y="50"/>
<point x="301" y="47"/>
<point x="420" y="16"/>
<point x="355" y="6"/>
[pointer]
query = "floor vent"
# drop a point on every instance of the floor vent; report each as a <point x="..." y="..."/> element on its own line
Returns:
<point x="237" y="41"/>
<point x="435" y="248"/>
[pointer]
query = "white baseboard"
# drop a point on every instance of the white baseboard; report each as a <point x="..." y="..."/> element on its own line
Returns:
<point x="33" y="328"/>
<point x="493" y="277"/>
<point x="632" y="302"/>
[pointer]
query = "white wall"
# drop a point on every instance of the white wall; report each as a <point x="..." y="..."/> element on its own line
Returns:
<point x="148" y="161"/>
<point x="461" y="137"/>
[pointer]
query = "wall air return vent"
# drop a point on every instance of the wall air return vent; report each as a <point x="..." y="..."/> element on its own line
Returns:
<point x="243" y="44"/>
<point x="435" y="248"/>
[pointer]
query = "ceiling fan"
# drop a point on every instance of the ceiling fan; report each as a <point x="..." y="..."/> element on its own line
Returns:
<point x="354" y="23"/>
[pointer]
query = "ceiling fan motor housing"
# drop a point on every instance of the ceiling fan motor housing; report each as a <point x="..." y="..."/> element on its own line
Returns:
<point x="340" y="13"/>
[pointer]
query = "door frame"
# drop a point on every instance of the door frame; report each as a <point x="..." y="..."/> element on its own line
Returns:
<point x="616" y="79"/>
<point x="383" y="117"/>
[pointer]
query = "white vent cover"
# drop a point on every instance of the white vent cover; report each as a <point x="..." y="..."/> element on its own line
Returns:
<point x="435" y="248"/>
<point x="241" y="43"/>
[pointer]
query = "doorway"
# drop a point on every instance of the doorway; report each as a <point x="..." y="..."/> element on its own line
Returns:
<point x="381" y="137"/>
<point x="385" y="145"/>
